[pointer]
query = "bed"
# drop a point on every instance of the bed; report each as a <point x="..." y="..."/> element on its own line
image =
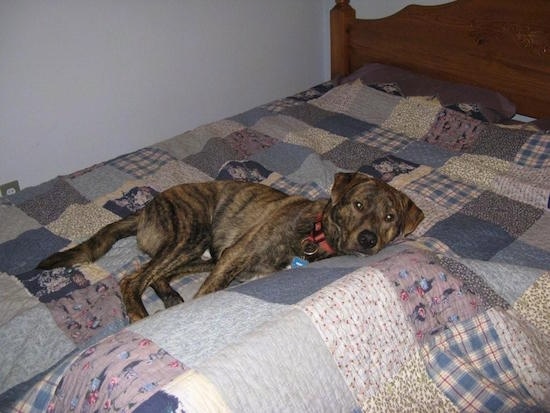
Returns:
<point x="455" y="317"/>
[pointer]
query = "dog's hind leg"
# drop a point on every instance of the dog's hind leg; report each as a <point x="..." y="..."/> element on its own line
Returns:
<point x="164" y="290"/>
<point x="239" y="258"/>
<point x="158" y="271"/>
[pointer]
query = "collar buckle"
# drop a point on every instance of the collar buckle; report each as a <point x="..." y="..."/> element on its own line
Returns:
<point x="316" y="240"/>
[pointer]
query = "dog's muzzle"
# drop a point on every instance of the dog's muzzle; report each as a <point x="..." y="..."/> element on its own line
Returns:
<point x="367" y="239"/>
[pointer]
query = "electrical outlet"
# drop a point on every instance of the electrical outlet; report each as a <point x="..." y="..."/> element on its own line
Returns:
<point x="9" y="188"/>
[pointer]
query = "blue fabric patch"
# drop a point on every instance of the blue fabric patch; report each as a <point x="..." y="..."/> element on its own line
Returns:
<point x="293" y="156"/>
<point x="307" y="113"/>
<point x="27" y="250"/>
<point x="250" y="117"/>
<point x="291" y="286"/>
<point x="49" y="285"/>
<point x="159" y="402"/>
<point x="521" y="253"/>
<point x="343" y="125"/>
<point x="425" y="154"/>
<point x="471" y="237"/>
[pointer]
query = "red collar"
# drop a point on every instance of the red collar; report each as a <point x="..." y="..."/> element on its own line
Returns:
<point x="317" y="240"/>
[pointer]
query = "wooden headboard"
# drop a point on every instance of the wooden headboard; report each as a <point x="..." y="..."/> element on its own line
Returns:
<point x="503" y="45"/>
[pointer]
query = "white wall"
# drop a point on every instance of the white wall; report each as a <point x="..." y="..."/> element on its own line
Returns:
<point x="82" y="81"/>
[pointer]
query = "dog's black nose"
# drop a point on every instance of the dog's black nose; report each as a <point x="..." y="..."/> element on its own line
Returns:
<point x="367" y="239"/>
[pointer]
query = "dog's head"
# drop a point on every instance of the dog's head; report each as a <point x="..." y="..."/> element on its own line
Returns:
<point x="365" y="213"/>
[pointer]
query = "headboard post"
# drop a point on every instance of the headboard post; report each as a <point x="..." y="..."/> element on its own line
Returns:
<point x="341" y="17"/>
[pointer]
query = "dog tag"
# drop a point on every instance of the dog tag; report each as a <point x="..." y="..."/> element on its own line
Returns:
<point x="298" y="262"/>
<point x="310" y="248"/>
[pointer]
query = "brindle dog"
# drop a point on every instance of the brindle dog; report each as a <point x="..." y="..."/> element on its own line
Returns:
<point x="249" y="229"/>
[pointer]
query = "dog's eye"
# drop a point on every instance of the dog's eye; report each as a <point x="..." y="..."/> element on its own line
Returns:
<point x="358" y="205"/>
<point x="389" y="217"/>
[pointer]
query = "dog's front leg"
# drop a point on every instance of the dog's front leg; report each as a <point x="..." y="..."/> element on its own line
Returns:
<point x="220" y="277"/>
<point x="232" y="263"/>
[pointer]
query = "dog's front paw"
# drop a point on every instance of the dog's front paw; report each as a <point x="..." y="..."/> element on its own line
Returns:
<point x="135" y="310"/>
<point x="135" y="316"/>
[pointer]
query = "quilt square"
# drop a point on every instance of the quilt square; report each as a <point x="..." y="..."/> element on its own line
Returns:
<point x="49" y="205"/>
<point x="499" y="142"/>
<point x="469" y="363"/>
<point x="474" y="282"/>
<point x="81" y="221"/>
<point x="142" y="162"/>
<point x="248" y="171"/>
<point x="115" y="368"/>
<point x="48" y="285"/>
<point x="272" y="158"/>
<point x="478" y="170"/>
<point x="131" y="201"/>
<point x="212" y="157"/>
<point x="299" y="99"/>
<point x="247" y="142"/>
<point x="388" y="167"/>
<point x="432" y="297"/>
<point x="520" y="253"/>
<point x="281" y="105"/>
<point x="351" y="155"/>
<point x="383" y="139"/>
<point x="535" y="152"/>
<point x="193" y="141"/>
<point x="309" y="190"/>
<point x="14" y="222"/>
<point x="424" y="153"/>
<point x="98" y="181"/>
<point x="454" y="130"/>
<point x="250" y="117"/>
<point x="413" y="116"/>
<point x="308" y="114"/>
<point x="280" y="126"/>
<point x="515" y="216"/>
<point x="319" y="140"/>
<point x="471" y="237"/>
<point x="83" y="311"/>
<point x="28" y="249"/>
<point x="344" y="125"/>
<point x="444" y="191"/>
<point x="359" y="101"/>
<point x="175" y="173"/>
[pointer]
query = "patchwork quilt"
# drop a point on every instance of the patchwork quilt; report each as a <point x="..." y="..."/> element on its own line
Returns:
<point x="454" y="318"/>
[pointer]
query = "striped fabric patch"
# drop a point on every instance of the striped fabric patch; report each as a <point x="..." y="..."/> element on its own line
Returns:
<point x="469" y="364"/>
<point x="142" y="163"/>
<point x="444" y="191"/>
<point x="384" y="139"/>
<point x="309" y="190"/>
<point x="535" y="152"/>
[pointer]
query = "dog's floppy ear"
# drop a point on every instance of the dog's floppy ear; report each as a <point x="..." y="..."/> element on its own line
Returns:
<point x="342" y="182"/>
<point x="412" y="216"/>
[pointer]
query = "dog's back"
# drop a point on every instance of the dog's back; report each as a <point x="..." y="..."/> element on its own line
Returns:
<point x="188" y="211"/>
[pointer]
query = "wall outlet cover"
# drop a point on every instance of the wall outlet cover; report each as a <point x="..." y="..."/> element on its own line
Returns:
<point x="9" y="188"/>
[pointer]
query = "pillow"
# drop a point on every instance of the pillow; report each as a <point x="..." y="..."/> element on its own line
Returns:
<point x="493" y="106"/>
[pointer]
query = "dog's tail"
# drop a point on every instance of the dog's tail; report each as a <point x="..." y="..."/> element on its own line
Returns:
<point x="94" y="247"/>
